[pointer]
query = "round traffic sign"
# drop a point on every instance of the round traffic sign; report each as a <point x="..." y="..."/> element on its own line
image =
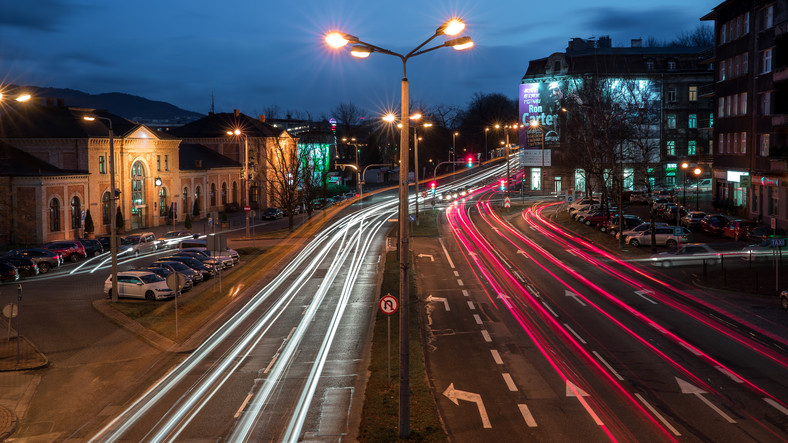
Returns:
<point x="10" y="310"/>
<point x="247" y="208"/>
<point x="176" y="281"/>
<point x="388" y="304"/>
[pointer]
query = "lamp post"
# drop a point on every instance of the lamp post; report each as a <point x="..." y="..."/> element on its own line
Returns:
<point x="684" y="166"/>
<point x="358" y="166"/>
<point x="453" y="154"/>
<point x="486" y="130"/>
<point x="245" y="181"/>
<point x="697" y="172"/>
<point x="113" y="235"/>
<point x="362" y="49"/>
<point x="535" y="124"/>
<point x="391" y="118"/>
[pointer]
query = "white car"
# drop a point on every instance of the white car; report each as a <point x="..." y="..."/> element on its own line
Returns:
<point x="665" y="235"/>
<point x="139" y="284"/>
<point x="639" y="228"/>
<point x="687" y="254"/>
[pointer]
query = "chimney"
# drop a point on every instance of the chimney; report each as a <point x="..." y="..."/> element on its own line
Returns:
<point x="262" y="118"/>
<point x="61" y="102"/>
<point x="637" y="42"/>
<point x="236" y="112"/>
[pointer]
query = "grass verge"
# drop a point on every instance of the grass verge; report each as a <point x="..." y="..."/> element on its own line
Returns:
<point x="428" y="224"/>
<point x="380" y="415"/>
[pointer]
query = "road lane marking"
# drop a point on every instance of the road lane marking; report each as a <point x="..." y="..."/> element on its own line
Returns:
<point x="443" y="300"/>
<point x="729" y="374"/>
<point x="290" y="334"/>
<point x="486" y="336"/>
<point x="243" y="405"/>
<point x="496" y="356"/>
<point x="688" y="388"/>
<point x="451" y="263"/>
<point x="466" y="293"/>
<point x="575" y="296"/>
<point x="477" y="318"/>
<point x="273" y="360"/>
<point x="618" y="376"/>
<point x="574" y="333"/>
<point x="529" y="419"/>
<point x="549" y="309"/>
<point x="642" y="295"/>
<point x="519" y="277"/>
<point x="658" y="415"/>
<point x="455" y="395"/>
<point x="456" y="274"/>
<point x="776" y="405"/>
<point x="470" y="305"/>
<point x="459" y="282"/>
<point x="509" y="382"/>
<point x="690" y="348"/>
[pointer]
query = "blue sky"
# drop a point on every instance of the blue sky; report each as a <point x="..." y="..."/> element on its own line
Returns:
<point x="253" y="54"/>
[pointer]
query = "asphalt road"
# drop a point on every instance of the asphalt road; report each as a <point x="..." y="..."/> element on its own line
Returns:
<point x="559" y="341"/>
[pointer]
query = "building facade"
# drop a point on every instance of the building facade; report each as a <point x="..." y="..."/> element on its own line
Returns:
<point x="750" y="88"/>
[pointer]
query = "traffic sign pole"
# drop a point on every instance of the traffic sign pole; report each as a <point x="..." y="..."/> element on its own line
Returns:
<point x="388" y="305"/>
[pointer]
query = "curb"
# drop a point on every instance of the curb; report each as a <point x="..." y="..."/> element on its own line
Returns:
<point x="8" y="423"/>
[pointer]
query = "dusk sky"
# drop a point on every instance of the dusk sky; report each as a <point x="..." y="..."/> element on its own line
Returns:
<point x="255" y="54"/>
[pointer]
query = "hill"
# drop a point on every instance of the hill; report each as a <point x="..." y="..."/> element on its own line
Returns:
<point x="132" y="107"/>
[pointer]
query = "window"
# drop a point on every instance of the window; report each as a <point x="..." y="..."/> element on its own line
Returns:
<point x="743" y="142"/>
<point x="76" y="213"/>
<point x="722" y="70"/>
<point x="105" y="208"/>
<point x="724" y="33"/>
<point x="235" y="192"/>
<point x="691" y="148"/>
<point x="213" y="194"/>
<point x="650" y="64"/>
<point x="692" y="122"/>
<point x="742" y="103"/>
<point x="764" y="145"/>
<point x="671" y="147"/>
<point x="711" y="120"/>
<point x="768" y="17"/>
<point x="671" y="65"/>
<point x="721" y="107"/>
<point x="102" y="164"/>
<point x="224" y="193"/>
<point x="54" y="215"/>
<point x="162" y="202"/>
<point x="774" y="201"/>
<point x="766" y="61"/>
<point x="766" y="103"/>
<point x="736" y="143"/>
<point x="137" y="186"/>
<point x="745" y="64"/>
<point x="166" y="162"/>
<point x="728" y="143"/>
<point x="671" y="95"/>
<point x="671" y="121"/>
<point x="746" y="22"/>
<point x="734" y="102"/>
<point x="721" y="144"/>
<point x="693" y="93"/>
<point x="158" y="163"/>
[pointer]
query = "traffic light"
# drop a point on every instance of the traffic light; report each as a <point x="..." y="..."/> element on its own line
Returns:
<point x="503" y="184"/>
<point x="432" y="186"/>
<point x="470" y="162"/>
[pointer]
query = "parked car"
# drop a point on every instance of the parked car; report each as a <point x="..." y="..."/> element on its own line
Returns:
<point x="44" y="258"/>
<point x="784" y="300"/>
<point x="273" y="214"/>
<point x="8" y="272"/>
<point x="673" y="214"/>
<point x="669" y="236"/>
<point x="92" y="246"/>
<point x="217" y="264"/>
<point x="26" y="266"/>
<point x="201" y="244"/>
<point x="177" y="266"/>
<point x="225" y="258"/>
<point x="140" y="243"/>
<point x="207" y="271"/>
<point x="597" y="217"/>
<point x="692" y="219"/>
<point x="139" y="284"/>
<point x="575" y="205"/>
<point x="172" y="238"/>
<point x="164" y="272"/>
<point x="630" y="221"/>
<point x="687" y="254"/>
<point x="69" y="250"/>
<point x="738" y="229"/>
<point x="639" y="228"/>
<point x="713" y="223"/>
<point x="105" y="242"/>
<point x="761" y="233"/>
<point x="766" y="250"/>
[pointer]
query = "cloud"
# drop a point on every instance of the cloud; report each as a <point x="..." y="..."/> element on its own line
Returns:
<point x="661" y="23"/>
<point x="45" y="15"/>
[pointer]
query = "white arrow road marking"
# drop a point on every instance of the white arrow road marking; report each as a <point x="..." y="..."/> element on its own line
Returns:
<point x="573" y="391"/>
<point x="431" y="299"/>
<point x="503" y="296"/>
<point x="426" y="255"/>
<point x="529" y="419"/>
<point x="520" y="251"/>
<point x="575" y="296"/>
<point x="455" y="395"/>
<point x="689" y="388"/>
<point x="643" y="293"/>
<point x="658" y="415"/>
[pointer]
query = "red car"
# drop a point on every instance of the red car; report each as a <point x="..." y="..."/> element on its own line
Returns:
<point x="738" y="229"/>
<point x="713" y="223"/>
<point x="69" y="250"/>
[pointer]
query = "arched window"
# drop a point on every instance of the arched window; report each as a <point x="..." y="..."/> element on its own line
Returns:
<point x="76" y="213"/>
<point x="105" y="208"/>
<point x="185" y="203"/>
<point x="137" y="184"/>
<point x="235" y="192"/>
<point x="54" y="215"/>
<point x="213" y="194"/>
<point x="197" y="198"/>
<point x="162" y="202"/>
<point x="224" y="193"/>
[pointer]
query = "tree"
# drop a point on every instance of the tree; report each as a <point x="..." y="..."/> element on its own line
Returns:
<point x="485" y="111"/>
<point x="284" y="161"/>
<point x="196" y="209"/>
<point x="89" y="228"/>
<point x="187" y="223"/>
<point x="348" y="115"/>
<point x="701" y="36"/>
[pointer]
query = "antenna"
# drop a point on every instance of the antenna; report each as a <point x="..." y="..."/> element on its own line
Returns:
<point x="212" y="108"/>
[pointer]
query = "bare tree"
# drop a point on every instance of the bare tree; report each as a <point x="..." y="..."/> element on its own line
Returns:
<point x="700" y="37"/>
<point x="271" y="111"/>
<point x="348" y="116"/>
<point x="284" y="161"/>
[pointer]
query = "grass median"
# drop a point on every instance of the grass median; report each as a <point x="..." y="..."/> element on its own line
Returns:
<point x="380" y="416"/>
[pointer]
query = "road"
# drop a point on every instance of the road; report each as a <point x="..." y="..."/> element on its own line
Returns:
<point x="549" y="337"/>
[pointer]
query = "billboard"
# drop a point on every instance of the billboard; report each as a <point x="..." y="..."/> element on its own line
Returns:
<point x="541" y="102"/>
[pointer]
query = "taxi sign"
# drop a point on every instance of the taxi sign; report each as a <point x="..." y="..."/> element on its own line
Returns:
<point x="388" y="304"/>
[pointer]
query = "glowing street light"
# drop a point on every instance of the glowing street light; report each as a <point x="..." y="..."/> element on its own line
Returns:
<point x="363" y="49"/>
<point x="245" y="182"/>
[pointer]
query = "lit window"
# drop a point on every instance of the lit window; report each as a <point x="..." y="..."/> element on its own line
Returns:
<point x="691" y="148"/>
<point x="743" y="142"/>
<point x="766" y="103"/>
<point x="102" y="164"/>
<point x="768" y="17"/>
<point x="671" y="121"/>
<point x="742" y="103"/>
<point x="766" y="61"/>
<point x="693" y="121"/>
<point x="693" y="93"/>
<point x="671" y="147"/>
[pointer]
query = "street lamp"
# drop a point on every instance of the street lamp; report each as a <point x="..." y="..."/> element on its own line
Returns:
<point x="684" y="166"/>
<point x="453" y="153"/>
<point x="113" y="235"/>
<point x="486" y="130"/>
<point x="358" y="166"/>
<point x="535" y="124"/>
<point x="362" y="49"/>
<point x="697" y="172"/>
<point x="245" y="181"/>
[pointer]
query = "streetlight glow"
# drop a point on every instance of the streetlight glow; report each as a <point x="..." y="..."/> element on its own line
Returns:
<point x="23" y="98"/>
<point x="338" y="39"/>
<point x="460" y="43"/>
<point x="360" y="51"/>
<point x="451" y="27"/>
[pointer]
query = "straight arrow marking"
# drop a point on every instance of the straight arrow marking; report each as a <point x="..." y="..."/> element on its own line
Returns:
<point x="455" y="395"/>
<point x="688" y="388"/>
<point x="575" y="296"/>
